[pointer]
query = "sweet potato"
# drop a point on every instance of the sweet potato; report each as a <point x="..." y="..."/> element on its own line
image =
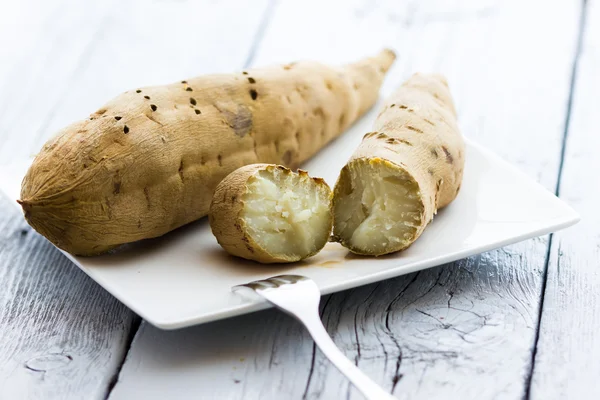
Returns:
<point x="403" y="172"/>
<point x="149" y="160"/>
<point x="270" y="214"/>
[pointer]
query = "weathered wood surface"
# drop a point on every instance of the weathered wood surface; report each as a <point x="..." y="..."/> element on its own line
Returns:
<point x="61" y="335"/>
<point x="464" y="330"/>
<point x="567" y="364"/>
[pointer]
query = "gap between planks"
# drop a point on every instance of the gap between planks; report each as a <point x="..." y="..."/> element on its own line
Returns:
<point x="567" y="125"/>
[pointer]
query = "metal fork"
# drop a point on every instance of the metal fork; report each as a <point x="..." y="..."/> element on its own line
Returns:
<point x="299" y="296"/>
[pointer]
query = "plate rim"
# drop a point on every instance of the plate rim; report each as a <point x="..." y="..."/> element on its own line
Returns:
<point x="254" y="304"/>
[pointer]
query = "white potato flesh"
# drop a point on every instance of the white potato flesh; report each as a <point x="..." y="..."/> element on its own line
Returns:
<point x="287" y="214"/>
<point x="380" y="207"/>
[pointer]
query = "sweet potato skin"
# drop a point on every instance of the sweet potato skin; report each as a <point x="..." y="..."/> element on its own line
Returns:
<point x="416" y="133"/>
<point x="224" y="216"/>
<point x="148" y="161"/>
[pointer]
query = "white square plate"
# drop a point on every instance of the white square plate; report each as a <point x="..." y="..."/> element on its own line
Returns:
<point x="184" y="278"/>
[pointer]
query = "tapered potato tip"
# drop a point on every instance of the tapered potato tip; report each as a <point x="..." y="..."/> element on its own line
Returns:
<point x="385" y="59"/>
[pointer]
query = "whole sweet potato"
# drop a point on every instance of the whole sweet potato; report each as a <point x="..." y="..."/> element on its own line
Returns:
<point x="149" y="160"/>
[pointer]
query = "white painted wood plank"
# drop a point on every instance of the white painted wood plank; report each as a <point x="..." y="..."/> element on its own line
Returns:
<point x="61" y="335"/>
<point x="464" y="330"/>
<point x="566" y="363"/>
<point x="43" y="45"/>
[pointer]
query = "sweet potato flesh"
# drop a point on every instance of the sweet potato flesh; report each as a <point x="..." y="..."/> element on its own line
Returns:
<point x="379" y="208"/>
<point x="287" y="215"/>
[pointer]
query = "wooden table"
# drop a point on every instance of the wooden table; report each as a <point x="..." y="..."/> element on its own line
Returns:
<point x="518" y="322"/>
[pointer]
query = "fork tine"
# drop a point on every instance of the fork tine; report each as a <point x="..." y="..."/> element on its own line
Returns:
<point x="290" y="278"/>
<point x="272" y="282"/>
<point x="256" y="285"/>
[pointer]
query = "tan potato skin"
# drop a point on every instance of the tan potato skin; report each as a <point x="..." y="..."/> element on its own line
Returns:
<point x="417" y="133"/>
<point x="149" y="160"/>
<point x="230" y="229"/>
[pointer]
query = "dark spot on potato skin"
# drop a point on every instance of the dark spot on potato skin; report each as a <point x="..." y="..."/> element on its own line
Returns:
<point x="147" y="97"/>
<point x="116" y="187"/>
<point x="180" y="170"/>
<point x="253" y="94"/>
<point x="189" y="89"/>
<point x="449" y="158"/>
<point x="251" y="80"/>
<point x="220" y="160"/>
<point x="247" y="243"/>
<point x="233" y="198"/>
<point x="342" y="121"/>
<point x="428" y="121"/>
<point x="403" y="107"/>
<point x="434" y="153"/>
<point x="239" y="120"/>
<point x="412" y="128"/>
<point x="287" y="157"/>
<point x="147" y="196"/>
<point x="125" y="129"/>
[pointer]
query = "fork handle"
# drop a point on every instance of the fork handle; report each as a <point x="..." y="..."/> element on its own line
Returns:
<point x="362" y="382"/>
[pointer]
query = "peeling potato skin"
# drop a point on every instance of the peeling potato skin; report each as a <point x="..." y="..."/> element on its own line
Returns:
<point x="416" y="133"/>
<point x="230" y="229"/>
<point x="148" y="161"/>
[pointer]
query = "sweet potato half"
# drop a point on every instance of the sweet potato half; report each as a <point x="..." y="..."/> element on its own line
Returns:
<point x="407" y="168"/>
<point x="268" y="213"/>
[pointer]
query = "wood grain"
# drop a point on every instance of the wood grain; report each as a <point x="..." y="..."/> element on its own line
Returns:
<point x="63" y="336"/>
<point x="463" y="330"/>
<point x="566" y="361"/>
